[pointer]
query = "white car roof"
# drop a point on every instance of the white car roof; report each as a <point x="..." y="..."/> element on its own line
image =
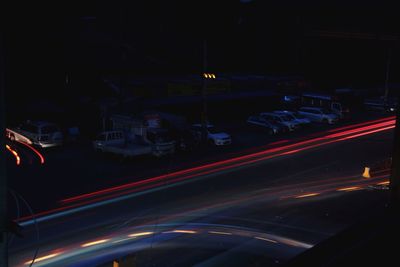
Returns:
<point x="200" y="125"/>
<point x="283" y="112"/>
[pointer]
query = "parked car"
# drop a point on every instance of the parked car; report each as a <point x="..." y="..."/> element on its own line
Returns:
<point x="217" y="137"/>
<point x="295" y="116"/>
<point x="319" y="115"/>
<point x="40" y="133"/>
<point x="270" y="127"/>
<point x="281" y="119"/>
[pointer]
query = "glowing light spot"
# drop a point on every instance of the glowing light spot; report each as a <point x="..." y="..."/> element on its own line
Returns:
<point x="43" y="258"/>
<point x="93" y="243"/>
<point x="307" y="195"/>
<point x="265" y="239"/>
<point x="219" y="233"/>
<point x="140" y="234"/>
<point x="346" y="189"/>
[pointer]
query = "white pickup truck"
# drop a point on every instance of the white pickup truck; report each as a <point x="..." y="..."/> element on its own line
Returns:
<point x="40" y="133"/>
<point x="115" y="142"/>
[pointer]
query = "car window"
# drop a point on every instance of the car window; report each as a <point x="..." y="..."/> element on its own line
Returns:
<point x="49" y="129"/>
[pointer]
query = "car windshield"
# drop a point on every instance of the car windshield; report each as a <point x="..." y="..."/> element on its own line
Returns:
<point x="285" y="117"/>
<point x="105" y="162"/>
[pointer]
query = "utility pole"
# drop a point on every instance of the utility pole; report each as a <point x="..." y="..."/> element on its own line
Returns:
<point x="3" y="177"/>
<point x="395" y="173"/>
<point x="204" y="96"/>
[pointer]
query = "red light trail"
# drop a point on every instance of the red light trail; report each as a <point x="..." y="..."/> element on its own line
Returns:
<point x="34" y="150"/>
<point x="366" y="129"/>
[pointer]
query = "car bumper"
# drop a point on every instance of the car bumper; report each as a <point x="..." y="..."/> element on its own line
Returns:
<point x="47" y="145"/>
<point x="223" y="142"/>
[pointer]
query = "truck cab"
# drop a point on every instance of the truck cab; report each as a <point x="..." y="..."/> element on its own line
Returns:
<point x="161" y="141"/>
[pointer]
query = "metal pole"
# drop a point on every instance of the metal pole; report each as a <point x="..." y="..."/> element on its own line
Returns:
<point x="204" y="96"/>
<point x="3" y="177"/>
<point x="395" y="174"/>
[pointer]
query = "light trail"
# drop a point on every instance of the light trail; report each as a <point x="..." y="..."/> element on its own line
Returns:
<point x="34" y="150"/>
<point x="140" y="234"/>
<point x="15" y="154"/>
<point x="384" y="183"/>
<point x="219" y="233"/>
<point x="93" y="243"/>
<point x="307" y="195"/>
<point x="241" y="158"/>
<point x="104" y="196"/>
<point x="180" y="232"/>
<point x="347" y="189"/>
<point x="361" y="124"/>
<point x="43" y="258"/>
<point x="265" y="239"/>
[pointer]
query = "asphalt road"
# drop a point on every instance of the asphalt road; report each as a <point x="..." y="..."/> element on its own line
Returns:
<point x="265" y="211"/>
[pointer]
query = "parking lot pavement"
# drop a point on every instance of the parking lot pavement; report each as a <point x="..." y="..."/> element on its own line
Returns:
<point x="77" y="169"/>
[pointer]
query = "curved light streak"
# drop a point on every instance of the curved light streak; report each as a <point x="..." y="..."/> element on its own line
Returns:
<point x="43" y="258"/>
<point x="15" y="154"/>
<point x="34" y="150"/>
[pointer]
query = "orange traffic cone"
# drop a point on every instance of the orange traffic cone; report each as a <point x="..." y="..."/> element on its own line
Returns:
<point x="366" y="173"/>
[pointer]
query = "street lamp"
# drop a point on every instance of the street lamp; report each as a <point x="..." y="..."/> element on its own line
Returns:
<point x="209" y="75"/>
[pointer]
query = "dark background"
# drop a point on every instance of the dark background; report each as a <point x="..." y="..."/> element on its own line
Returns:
<point x="331" y="44"/>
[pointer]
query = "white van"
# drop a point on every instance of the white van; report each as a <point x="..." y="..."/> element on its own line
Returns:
<point x="40" y="133"/>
